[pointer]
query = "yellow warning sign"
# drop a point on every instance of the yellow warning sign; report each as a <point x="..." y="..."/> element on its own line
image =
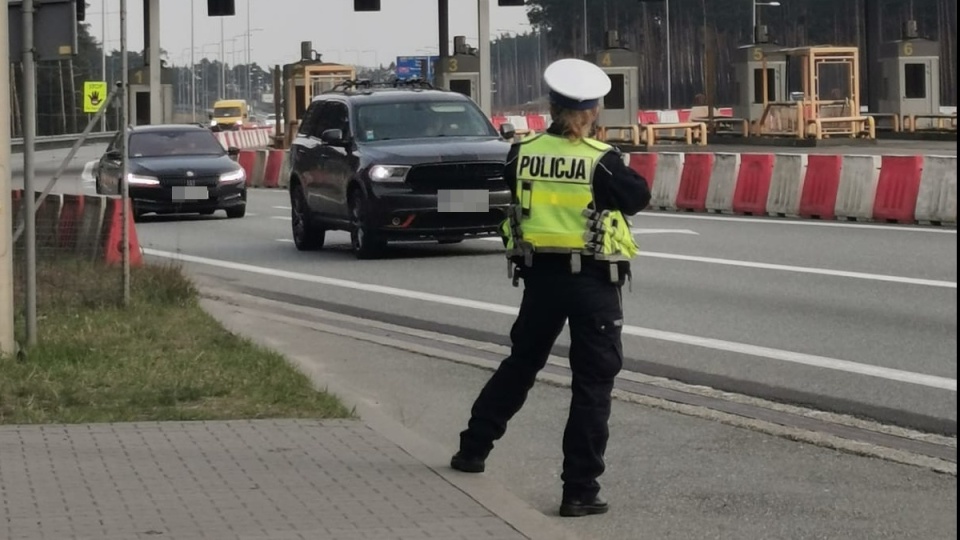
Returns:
<point x="94" y="95"/>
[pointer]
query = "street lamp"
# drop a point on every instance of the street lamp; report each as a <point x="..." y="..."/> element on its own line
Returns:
<point x="753" y="19"/>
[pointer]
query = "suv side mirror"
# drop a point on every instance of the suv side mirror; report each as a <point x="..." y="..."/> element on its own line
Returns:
<point x="114" y="155"/>
<point x="507" y="131"/>
<point x="233" y="151"/>
<point x="332" y="137"/>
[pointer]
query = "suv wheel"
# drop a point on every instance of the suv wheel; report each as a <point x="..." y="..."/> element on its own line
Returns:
<point x="365" y="243"/>
<point x="306" y="235"/>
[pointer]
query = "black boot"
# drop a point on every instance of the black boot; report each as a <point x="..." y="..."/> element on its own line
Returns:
<point x="578" y="507"/>
<point x="468" y="464"/>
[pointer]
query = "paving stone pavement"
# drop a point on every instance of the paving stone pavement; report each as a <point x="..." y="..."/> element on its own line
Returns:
<point x="257" y="479"/>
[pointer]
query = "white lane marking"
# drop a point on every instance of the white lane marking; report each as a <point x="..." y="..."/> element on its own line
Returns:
<point x="803" y="269"/>
<point x="285" y="240"/>
<point x="788" y="221"/>
<point x="663" y="231"/>
<point x="280" y="207"/>
<point x="898" y="375"/>
<point x="284" y="218"/>
<point x="789" y="268"/>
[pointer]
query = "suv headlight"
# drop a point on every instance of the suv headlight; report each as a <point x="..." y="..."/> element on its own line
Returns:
<point x="388" y="173"/>
<point x="238" y="175"/>
<point x="141" y="180"/>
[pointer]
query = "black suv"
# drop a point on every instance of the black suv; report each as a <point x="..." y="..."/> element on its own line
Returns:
<point x="396" y="161"/>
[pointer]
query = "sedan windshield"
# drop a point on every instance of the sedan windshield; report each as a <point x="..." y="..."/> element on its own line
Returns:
<point x="175" y="143"/>
<point x="420" y="119"/>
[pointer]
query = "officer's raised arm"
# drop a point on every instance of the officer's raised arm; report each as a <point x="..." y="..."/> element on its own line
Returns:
<point x="618" y="187"/>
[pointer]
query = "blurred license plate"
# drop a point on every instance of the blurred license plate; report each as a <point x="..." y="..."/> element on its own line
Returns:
<point x="463" y="200"/>
<point x="189" y="193"/>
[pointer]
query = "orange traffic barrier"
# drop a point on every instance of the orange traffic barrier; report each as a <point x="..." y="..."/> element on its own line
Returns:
<point x="645" y="164"/>
<point x="271" y="177"/>
<point x="113" y="236"/>
<point x="247" y="159"/>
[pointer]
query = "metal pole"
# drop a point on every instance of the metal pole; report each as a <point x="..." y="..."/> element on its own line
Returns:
<point x="29" y="194"/>
<point x="103" y="53"/>
<point x="193" y="65"/>
<point x="156" y="101"/>
<point x="223" y="65"/>
<point x="669" y="71"/>
<point x="7" y="343"/>
<point x="483" y="27"/>
<point x="249" y="82"/>
<point x="753" y="21"/>
<point x="443" y="16"/>
<point x="516" y="68"/>
<point x="585" y="49"/>
<point x="125" y="163"/>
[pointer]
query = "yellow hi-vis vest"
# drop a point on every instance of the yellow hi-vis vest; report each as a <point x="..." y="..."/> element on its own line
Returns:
<point x="553" y="209"/>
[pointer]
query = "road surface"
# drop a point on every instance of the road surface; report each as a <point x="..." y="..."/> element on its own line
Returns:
<point x="855" y="318"/>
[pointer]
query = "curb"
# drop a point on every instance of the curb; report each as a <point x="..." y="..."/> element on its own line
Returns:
<point x="516" y="512"/>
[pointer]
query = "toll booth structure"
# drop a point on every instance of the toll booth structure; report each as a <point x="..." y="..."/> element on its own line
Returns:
<point x="139" y="96"/>
<point x="910" y="91"/>
<point x="620" y="107"/>
<point x="460" y="72"/>
<point x="760" y="71"/>
<point x="301" y="82"/>
<point x="827" y="102"/>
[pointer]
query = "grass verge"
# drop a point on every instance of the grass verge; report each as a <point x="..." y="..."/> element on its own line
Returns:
<point x="161" y="358"/>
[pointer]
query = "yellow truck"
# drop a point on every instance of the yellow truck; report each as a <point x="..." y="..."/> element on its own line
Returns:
<point x="229" y="114"/>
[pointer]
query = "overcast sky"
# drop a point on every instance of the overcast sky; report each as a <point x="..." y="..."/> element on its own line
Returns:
<point x="401" y="28"/>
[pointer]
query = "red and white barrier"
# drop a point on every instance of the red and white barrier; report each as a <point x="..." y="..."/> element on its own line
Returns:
<point x="245" y="139"/>
<point x="89" y="226"/>
<point x="903" y="189"/>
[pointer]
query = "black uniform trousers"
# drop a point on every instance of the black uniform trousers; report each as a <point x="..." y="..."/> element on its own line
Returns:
<point x="593" y="305"/>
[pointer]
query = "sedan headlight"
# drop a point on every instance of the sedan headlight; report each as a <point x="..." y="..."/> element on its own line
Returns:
<point x="233" y="176"/>
<point x="141" y="180"/>
<point x="388" y="173"/>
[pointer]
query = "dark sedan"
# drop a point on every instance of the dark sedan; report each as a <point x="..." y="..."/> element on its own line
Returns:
<point x="396" y="163"/>
<point x="175" y="169"/>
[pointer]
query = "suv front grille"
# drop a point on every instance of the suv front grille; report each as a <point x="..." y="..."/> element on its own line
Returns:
<point x="478" y="175"/>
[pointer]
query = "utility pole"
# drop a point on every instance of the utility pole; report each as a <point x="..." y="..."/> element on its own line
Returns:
<point x="247" y="68"/>
<point x="193" y="65"/>
<point x="669" y="71"/>
<point x="223" y="65"/>
<point x="125" y="149"/>
<point x="103" y="54"/>
<point x="29" y="193"/>
<point x="7" y="344"/>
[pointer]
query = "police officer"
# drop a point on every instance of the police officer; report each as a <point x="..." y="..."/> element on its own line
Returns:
<point x="568" y="239"/>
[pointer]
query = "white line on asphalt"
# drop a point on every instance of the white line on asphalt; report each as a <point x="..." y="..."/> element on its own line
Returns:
<point x="284" y="218"/>
<point x="787" y="221"/>
<point x="910" y="377"/>
<point x="662" y="231"/>
<point x="789" y="268"/>
<point x="281" y="207"/>
<point x="803" y="269"/>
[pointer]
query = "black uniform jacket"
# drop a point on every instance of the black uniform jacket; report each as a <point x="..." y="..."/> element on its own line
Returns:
<point x="615" y="187"/>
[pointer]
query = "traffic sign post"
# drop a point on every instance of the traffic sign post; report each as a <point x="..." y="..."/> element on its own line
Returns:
<point x="7" y="344"/>
<point x="94" y="96"/>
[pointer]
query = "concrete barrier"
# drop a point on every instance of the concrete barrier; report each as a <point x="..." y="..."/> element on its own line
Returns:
<point x="723" y="182"/>
<point x="821" y="183"/>
<point x="937" y="194"/>
<point x="273" y="168"/>
<point x="786" y="185"/>
<point x="284" y="179"/>
<point x="666" y="180"/>
<point x="90" y="231"/>
<point x="858" y="187"/>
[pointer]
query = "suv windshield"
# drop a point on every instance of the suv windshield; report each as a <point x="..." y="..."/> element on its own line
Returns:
<point x="420" y="119"/>
<point x="174" y="143"/>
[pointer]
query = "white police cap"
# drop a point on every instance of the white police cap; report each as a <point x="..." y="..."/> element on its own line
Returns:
<point x="576" y="84"/>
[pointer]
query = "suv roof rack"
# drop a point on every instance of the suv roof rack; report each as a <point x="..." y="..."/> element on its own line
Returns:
<point x="366" y="85"/>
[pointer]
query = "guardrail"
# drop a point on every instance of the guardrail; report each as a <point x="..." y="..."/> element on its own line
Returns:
<point x="51" y="142"/>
